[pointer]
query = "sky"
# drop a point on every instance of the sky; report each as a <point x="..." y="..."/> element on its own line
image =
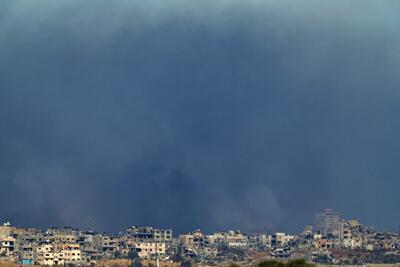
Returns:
<point x="212" y="114"/>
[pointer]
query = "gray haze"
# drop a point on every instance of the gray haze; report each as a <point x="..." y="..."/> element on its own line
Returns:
<point x="199" y="114"/>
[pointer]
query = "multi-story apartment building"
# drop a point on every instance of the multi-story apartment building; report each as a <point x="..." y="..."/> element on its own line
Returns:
<point x="72" y="255"/>
<point x="46" y="255"/>
<point x="281" y="239"/>
<point x="8" y="247"/>
<point x="327" y="222"/>
<point x="197" y="244"/>
<point x="148" y="250"/>
<point x="150" y="233"/>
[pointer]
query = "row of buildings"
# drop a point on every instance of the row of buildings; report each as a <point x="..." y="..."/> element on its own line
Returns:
<point x="72" y="246"/>
<point x="329" y="240"/>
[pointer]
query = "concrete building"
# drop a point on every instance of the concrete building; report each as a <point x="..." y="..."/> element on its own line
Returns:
<point x="72" y="256"/>
<point x="326" y="244"/>
<point x="108" y="245"/>
<point x="63" y="238"/>
<point x="149" y="233"/>
<point x="327" y="222"/>
<point x="45" y="255"/>
<point x="6" y="230"/>
<point x="197" y="245"/>
<point x="147" y="250"/>
<point x="281" y="239"/>
<point x="8" y="247"/>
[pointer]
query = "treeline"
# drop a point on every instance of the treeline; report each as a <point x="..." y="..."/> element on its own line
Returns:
<point x="273" y="263"/>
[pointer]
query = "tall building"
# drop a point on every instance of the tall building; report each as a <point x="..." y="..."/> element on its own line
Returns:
<point x="327" y="222"/>
<point x="150" y="233"/>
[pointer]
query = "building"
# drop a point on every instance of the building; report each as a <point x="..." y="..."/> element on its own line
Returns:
<point x="45" y="255"/>
<point x="197" y="245"/>
<point x="72" y="255"/>
<point x="327" y="222"/>
<point x="326" y="244"/>
<point x="140" y="233"/>
<point x="281" y="239"/>
<point x="6" y="230"/>
<point x="147" y="250"/>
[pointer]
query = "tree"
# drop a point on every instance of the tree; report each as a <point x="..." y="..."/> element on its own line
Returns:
<point x="132" y="254"/>
<point x="271" y="263"/>
<point x="117" y="254"/>
<point x="293" y="263"/>
<point x="322" y="259"/>
<point x="186" y="264"/>
<point x="136" y="263"/>
<point x="299" y="262"/>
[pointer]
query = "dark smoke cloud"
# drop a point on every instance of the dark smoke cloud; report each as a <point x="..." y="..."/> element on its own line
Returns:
<point x="212" y="115"/>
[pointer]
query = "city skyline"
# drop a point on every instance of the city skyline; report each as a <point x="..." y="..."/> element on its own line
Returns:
<point x="314" y="223"/>
<point x="331" y="240"/>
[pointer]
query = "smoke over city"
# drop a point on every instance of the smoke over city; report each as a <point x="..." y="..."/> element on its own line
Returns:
<point x="206" y="114"/>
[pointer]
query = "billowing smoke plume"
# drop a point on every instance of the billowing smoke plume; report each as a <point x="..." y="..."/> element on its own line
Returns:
<point x="198" y="114"/>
